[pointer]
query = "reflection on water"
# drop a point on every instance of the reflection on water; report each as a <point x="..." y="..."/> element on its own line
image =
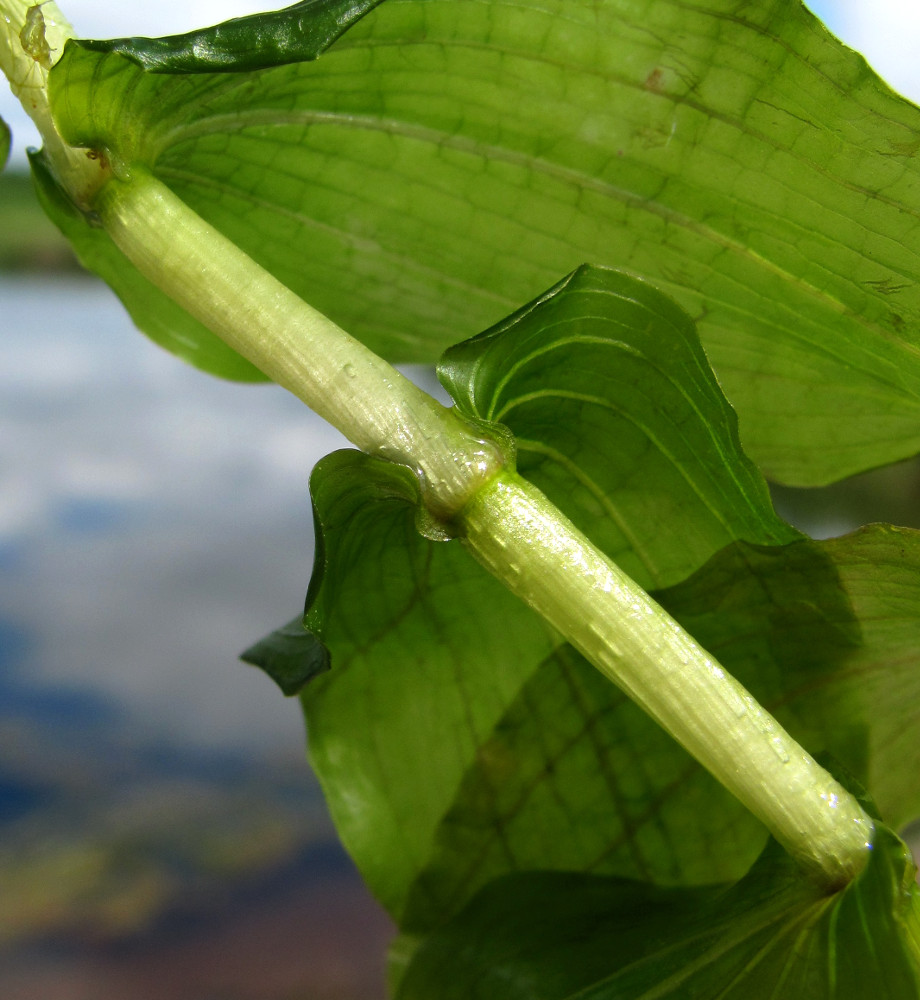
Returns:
<point x="155" y="806"/>
<point x="155" y="809"/>
<point x="154" y="521"/>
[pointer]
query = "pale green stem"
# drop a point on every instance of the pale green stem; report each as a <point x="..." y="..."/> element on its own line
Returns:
<point x="506" y="523"/>
<point x="371" y="403"/>
<point x="32" y="38"/>
<point x="525" y="541"/>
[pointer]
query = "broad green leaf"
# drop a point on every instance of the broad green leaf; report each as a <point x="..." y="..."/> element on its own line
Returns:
<point x="430" y="657"/>
<point x="619" y="420"/>
<point x="576" y="777"/>
<point x="201" y="64"/>
<point x="553" y="936"/>
<point x="427" y="652"/>
<point x="462" y="631"/>
<point x="444" y="161"/>
<point x="880" y="569"/>
<point x="825" y="633"/>
<point x="572" y="746"/>
<point x="458" y="741"/>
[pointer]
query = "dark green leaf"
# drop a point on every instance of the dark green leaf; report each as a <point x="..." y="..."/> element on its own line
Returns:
<point x="297" y="33"/>
<point x="880" y="568"/>
<point x="618" y="418"/>
<point x="576" y="777"/>
<point x="553" y="936"/>
<point x="290" y="655"/>
<point x="445" y="161"/>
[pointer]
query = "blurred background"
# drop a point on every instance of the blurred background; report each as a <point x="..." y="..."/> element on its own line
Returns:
<point x="160" y="831"/>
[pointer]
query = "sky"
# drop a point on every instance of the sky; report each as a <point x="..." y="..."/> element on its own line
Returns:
<point x="885" y="31"/>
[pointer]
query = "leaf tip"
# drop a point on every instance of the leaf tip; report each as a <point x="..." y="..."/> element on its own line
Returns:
<point x="291" y="655"/>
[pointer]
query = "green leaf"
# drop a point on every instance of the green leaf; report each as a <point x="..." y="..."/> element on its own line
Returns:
<point x="225" y="59"/>
<point x="427" y="652"/>
<point x="880" y="568"/>
<point x="444" y="161"/>
<point x="296" y="33"/>
<point x="416" y="630"/>
<point x="619" y="420"/>
<point x="573" y="748"/>
<point x="458" y="741"/>
<point x="290" y="655"/>
<point x="576" y="777"/>
<point x="554" y="936"/>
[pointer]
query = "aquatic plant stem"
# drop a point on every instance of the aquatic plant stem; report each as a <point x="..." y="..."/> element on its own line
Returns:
<point x="505" y="522"/>
<point x="369" y="401"/>
<point x="465" y="484"/>
<point x="32" y="38"/>
<point x="523" y="539"/>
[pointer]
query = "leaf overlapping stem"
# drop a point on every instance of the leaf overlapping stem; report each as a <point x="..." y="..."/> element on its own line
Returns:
<point x="508" y="525"/>
<point x="466" y="485"/>
<point x="527" y="543"/>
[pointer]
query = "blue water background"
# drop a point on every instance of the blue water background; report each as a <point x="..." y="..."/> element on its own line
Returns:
<point x="154" y="521"/>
